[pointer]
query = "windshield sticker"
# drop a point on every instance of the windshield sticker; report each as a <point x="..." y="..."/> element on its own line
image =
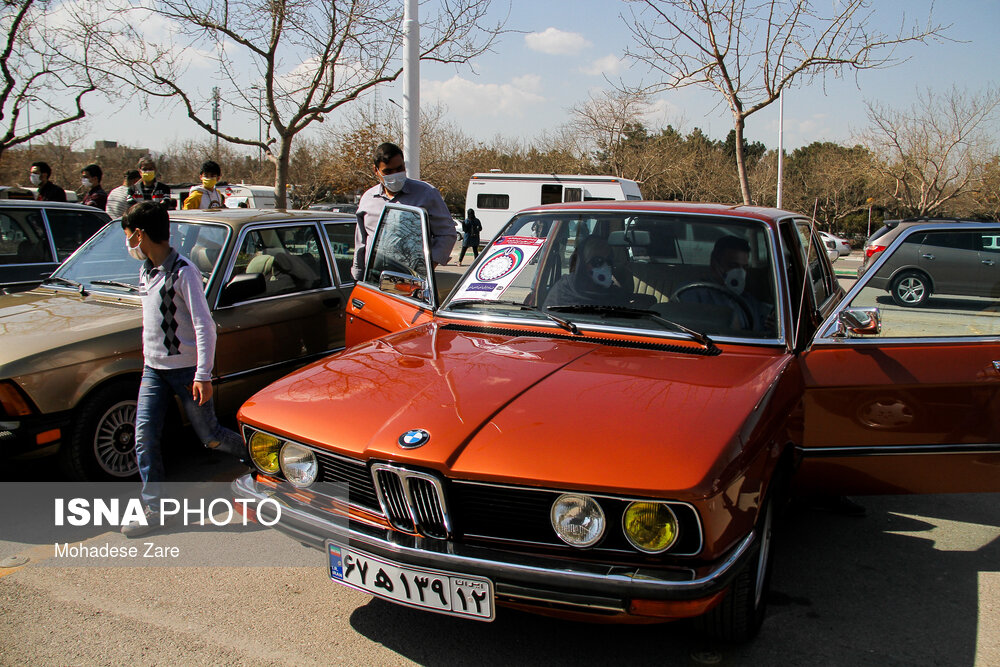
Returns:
<point x="508" y="257"/>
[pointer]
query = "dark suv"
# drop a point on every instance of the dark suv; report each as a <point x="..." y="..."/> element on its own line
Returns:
<point x="960" y="259"/>
<point x="36" y="236"/>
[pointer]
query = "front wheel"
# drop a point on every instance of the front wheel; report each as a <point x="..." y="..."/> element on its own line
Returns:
<point x="910" y="289"/>
<point x="740" y="614"/>
<point x="102" y="444"/>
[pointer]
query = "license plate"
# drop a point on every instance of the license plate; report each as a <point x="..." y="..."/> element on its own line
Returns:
<point x="443" y="592"/>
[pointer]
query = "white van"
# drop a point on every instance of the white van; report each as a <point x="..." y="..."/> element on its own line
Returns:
<point x="248" y="196"/>
<point x="496" y="196"/>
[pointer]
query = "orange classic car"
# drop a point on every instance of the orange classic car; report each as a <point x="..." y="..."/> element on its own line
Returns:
<point x="604" y="416"/>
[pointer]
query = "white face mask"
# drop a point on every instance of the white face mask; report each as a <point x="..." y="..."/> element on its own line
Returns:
<point x="135" y="252"/>
<point x="36" y="179"/>
<point x="85" y="182"/>
<point x="736" y="279"/>
<point x="394" y="182"/>
<point x="601" y="276"/>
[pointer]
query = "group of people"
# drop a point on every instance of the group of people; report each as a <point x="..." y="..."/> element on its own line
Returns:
<point x="140" y="184"/>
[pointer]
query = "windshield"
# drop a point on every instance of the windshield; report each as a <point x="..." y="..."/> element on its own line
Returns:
<point x="104" y="257"/>
<point x="710" y="274"/>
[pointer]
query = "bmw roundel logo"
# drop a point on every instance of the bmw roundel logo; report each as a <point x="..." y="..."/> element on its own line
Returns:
<point x="414" y="438"/>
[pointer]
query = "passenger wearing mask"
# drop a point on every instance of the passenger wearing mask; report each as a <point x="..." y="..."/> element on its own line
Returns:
<point x="591" y="281"/>
<point x="148" y="188"/>
<point x="394" y="187"/>
<point x="39" y="176"/>
<point x="206" y="195"/>
<point x="93" y="194"/>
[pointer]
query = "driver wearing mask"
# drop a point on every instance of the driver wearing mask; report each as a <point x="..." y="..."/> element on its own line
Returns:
<point x="729" y="262"/>
<point x="592" y="282"/>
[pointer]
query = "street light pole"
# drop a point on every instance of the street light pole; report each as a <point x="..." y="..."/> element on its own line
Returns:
<point x="411" y="88"/>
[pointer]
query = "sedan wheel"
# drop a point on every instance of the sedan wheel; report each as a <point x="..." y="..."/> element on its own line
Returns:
<point x="910" y="289"/>
<point x="102" y="444"/>
<point x="114" y="440"/>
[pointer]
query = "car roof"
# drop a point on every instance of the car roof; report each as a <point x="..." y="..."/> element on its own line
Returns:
<point x="646" y="206"/>
<point x="33" y="203"/>
<point x="237" y="218"/>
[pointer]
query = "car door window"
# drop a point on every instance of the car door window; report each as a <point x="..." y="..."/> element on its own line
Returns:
<point x="71" y="228"/>
<point x="341" y="236"/>
<point x="398" y="263"/>
<point x="22" y="238"/>
<point x="288" y="257"/>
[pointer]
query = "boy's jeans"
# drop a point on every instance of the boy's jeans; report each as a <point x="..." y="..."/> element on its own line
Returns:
<point x="156" y="390"/>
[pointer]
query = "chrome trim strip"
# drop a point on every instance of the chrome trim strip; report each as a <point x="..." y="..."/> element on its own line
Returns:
<point x="596" y="578"/>
<point x="897" y="450"/>
<point x="222" y="379"/>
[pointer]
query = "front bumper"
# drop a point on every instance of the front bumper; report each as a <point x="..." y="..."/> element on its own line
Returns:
<point x="519" y="578"/>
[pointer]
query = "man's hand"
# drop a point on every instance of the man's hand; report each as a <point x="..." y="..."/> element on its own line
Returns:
<point x="201" y="392"/>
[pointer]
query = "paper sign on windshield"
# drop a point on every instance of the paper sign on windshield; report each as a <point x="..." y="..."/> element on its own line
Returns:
<point x="508" y="257"/>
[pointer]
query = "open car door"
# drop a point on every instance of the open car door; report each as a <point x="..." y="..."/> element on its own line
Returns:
<point x="906" y="398"/>
<point x="397" y="289"/>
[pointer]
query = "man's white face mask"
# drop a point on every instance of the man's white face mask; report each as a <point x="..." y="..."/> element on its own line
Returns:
<point x="135" y="252"/>
<point x="736" y="279"/>
<point x="36" y="179"/>
<point x="394" y="182"/>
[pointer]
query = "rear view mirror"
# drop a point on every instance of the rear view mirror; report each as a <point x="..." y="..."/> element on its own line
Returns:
<point x="243" y="287"/>
<point x="629" y="237"/>
<point x="859" y="322"/>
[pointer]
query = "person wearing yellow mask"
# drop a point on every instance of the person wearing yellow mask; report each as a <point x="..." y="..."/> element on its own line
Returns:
<point x="206" y="195"/>
<point x="148" y="188"/>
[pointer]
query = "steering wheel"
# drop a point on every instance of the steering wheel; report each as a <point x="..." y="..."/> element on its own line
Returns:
<point x="728" y="293"/>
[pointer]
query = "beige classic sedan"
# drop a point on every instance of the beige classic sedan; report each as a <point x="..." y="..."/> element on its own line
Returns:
<point x="71" y="354"/>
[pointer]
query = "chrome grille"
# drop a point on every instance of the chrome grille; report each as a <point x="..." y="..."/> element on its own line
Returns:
<point x="412" y="501"/>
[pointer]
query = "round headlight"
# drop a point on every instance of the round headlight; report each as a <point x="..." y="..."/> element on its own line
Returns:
<point x="650" y="527"/>
<point x="299" y="464"/>
<point x="264" y="450"/>
<point x="578" y="520"/>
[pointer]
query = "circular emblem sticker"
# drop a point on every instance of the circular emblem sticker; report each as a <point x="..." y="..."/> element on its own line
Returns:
<point x="501" y="264"/>
<point x="414" y="438"/>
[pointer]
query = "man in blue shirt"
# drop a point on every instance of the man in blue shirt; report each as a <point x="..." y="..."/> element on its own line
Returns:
<point x="394" y="187"/>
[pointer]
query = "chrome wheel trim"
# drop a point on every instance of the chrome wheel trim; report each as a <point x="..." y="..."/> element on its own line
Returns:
<point x="910" y="290"/>
<point x="114" y="440"/>
<point x="763" y="555"/>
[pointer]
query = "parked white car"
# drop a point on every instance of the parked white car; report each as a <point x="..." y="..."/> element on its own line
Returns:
<point x="842" y="246"/>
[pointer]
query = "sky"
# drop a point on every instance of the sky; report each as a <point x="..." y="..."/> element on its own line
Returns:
<point x="558" y="52"/>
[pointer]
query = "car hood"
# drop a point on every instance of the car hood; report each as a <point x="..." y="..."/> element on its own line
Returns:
<point x="524" y="409"/>
<point x="35" y="325"/>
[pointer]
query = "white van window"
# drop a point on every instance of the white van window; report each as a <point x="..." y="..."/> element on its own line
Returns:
<point x="498" y="202"/>
<point x="573" y="194"/>
<point x="551" y="194"/>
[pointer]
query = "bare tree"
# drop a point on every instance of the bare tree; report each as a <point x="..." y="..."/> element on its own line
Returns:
<point x="288" y="62"/>
<point x="44" y="73"/>
<point x="934" y="151"/>
<point x="748" y="52"/>
<point x="606" y="121"/>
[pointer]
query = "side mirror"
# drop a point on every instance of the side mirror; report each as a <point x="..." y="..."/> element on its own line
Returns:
<point x="242" y="288"/>
<point x="402" y="284"/>
<point x="859" y="322"/>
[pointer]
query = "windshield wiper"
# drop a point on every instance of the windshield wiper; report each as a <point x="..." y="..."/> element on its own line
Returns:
<point x="115" y="283"/>
<point x="564" y="323"/>
<point x="66" y="281"/>
<point x="636" y="312"/>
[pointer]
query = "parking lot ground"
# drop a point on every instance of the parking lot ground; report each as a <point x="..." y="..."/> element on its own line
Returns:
<point x="916" y="582"/>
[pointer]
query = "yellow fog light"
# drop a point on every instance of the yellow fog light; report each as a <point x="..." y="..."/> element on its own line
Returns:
<point x="650" y="527"/>
<point x="264" y="451"/>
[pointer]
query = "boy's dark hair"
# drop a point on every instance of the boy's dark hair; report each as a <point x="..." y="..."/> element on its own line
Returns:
<point x="93" y="171"/>
<point x="43" y="167"/>
<point x="151" y="218"/>
<point x="132" y="175"/>
<point x="386" y="152"/>
<point x="148" y="162"/>
<point x="211" y="168"/>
